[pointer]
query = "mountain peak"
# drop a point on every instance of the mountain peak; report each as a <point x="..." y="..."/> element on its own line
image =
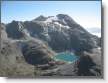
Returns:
<point x="61" y="15"/>
<point x="40" y="18"/>
<point x="66" y="18"/>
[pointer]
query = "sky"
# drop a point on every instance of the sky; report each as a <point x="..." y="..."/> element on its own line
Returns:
<point x="85" y="13"/>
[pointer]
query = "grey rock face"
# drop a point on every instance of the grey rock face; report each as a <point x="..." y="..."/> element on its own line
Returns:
<point x="19" y="58"/>
<point x="67" y="19"/>
<point x="3" y="32"/>
<point x="12" y="62"/>
<point x="36" y="52"/>
<point x="34" y="28"/>
<point x="90" y="64"/>
<point x="62" y="33"/>
<point x="82" y="40"/>
<point x="13" y="31"/>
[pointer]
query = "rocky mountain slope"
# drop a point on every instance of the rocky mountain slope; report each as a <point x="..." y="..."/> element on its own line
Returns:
<point x="28" y="44"/>
<point x="60" y="32"/>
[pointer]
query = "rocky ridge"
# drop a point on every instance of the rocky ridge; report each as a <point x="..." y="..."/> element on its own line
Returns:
<point x="35" y="43"/>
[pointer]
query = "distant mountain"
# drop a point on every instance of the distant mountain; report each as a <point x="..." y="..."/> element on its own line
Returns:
<point x="60" y="32"/>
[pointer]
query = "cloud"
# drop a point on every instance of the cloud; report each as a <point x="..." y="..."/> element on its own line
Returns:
<point x="94" y="31"/>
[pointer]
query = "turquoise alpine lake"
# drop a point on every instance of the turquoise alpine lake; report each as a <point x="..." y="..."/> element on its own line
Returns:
<point x="66" y="56"/>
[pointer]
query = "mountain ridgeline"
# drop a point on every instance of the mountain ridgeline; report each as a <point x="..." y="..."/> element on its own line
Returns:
<point x="60" y="32"/>
<point x="26" y="45"/>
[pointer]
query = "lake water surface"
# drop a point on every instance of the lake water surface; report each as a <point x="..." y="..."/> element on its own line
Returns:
<point x="66" y="56"/>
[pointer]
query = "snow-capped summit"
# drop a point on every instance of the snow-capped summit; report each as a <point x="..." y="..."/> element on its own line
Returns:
<point x="60" y="32"/>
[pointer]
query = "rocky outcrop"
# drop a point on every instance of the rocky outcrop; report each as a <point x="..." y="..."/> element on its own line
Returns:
<point x="37" y="53"/>
<point x="90" y="64"/>
<point x="17" y="57"/>
<point x="3" y="32"/>
<point x="12" y="62"/>
<point x="13" y="30"/>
